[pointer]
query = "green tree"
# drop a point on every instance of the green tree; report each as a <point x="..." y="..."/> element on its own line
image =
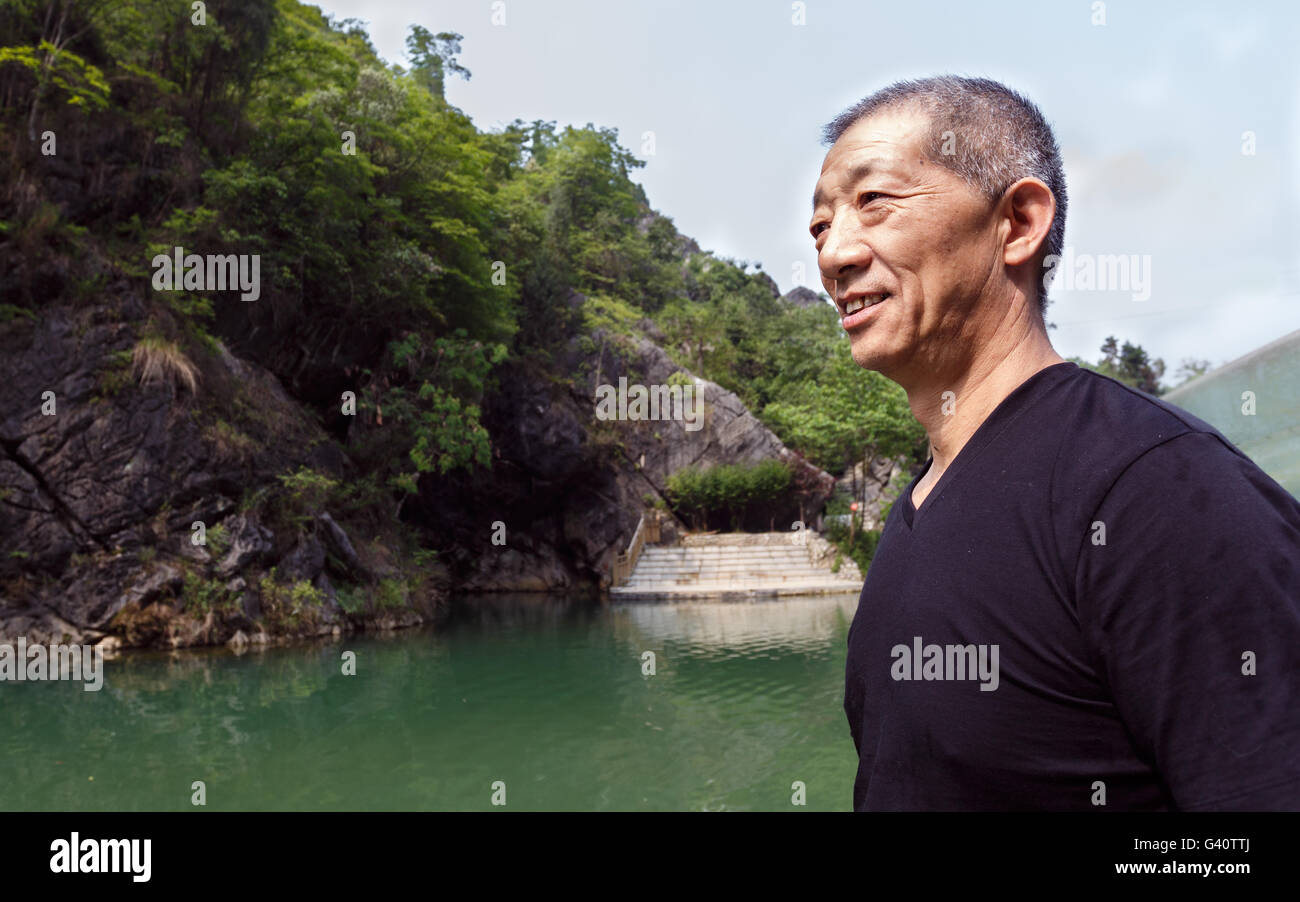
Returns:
<point x="844" y="413"/>
<point x="48" y="60"/>
<point x="1131" y="365"/>
<point x="433" y="58"/>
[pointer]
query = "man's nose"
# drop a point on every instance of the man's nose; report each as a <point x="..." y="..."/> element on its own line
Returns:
<point x="843" y="252"/>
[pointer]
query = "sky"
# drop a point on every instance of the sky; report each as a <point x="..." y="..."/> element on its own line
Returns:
<point x="1178" y="124"/>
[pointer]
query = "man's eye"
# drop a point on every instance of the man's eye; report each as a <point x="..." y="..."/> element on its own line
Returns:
<point x="868" y="196"/>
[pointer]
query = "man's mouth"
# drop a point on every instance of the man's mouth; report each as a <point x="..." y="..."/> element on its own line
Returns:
<point x="858" y="308"/>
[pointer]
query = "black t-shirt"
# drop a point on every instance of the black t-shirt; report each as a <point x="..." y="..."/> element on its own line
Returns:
<point x="1098" y="601"/>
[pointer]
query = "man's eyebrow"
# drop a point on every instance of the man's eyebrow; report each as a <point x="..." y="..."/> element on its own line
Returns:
<point x="856" y="174"/>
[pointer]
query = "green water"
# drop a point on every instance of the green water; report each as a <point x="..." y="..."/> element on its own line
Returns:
<point x="547" y="696"/>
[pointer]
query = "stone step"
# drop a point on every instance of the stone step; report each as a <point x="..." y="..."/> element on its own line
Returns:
<point x="731" y="566"/>
<point x="676" y="575"/>
<point x="676" y="551"/>
<point x="739" y="558"/>
<point x="726" y="562"/>
<point x="733" y="591"/>
<point x="728" y="577"/>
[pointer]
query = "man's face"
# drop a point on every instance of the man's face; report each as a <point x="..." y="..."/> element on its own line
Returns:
<point x="889" y="223"/>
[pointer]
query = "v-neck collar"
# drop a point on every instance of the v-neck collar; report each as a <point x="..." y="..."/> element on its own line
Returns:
<point x="1001" y="416"/>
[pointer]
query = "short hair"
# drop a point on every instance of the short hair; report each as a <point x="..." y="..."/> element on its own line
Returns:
<point x="1002" y="137"/>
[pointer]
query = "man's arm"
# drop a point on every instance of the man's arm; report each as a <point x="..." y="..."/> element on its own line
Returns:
<point x="1192" y="606"/>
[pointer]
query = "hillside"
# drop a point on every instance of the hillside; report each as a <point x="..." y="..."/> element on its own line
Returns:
<point x="291" y="347"/>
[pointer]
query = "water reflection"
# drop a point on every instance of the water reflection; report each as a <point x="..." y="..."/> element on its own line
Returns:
<point x="739" y="628"/>
<point x="546" y="693"/>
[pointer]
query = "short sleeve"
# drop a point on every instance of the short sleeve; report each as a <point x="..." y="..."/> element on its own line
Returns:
<point x="1188" y="593"/>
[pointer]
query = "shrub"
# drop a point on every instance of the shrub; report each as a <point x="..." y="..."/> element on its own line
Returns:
<point x="204" y="596"/>
<point x="390" y="594"/>
<point x="290" y="605"/>
<point x="349" y="598"/>
<point x="218" y="538"/>
<point x="738" y="493"/>
<point x="306" y="493"/>
<point x="157" y="360"/>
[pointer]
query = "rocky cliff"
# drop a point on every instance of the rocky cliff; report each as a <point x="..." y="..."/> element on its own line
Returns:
<point x="566" y="488"/>
<point x="126" y="479"/>
<point x="152" y="498"/>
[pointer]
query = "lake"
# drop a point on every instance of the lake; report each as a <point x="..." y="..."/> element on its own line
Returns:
<point x="545" y="695"/>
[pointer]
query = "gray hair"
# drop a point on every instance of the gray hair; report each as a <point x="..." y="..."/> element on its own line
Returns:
<point x="1002" y="138"/>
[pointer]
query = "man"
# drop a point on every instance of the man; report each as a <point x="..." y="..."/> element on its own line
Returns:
<point x="1088" y="599"/>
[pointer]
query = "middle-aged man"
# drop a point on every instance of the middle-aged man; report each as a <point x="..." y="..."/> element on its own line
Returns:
<point x="1088" y="599"/>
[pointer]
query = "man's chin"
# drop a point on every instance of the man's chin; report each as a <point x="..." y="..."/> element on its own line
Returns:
<point x="868" y="358"/>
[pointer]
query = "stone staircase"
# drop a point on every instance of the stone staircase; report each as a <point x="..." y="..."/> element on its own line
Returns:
<point x="738" y="566"/>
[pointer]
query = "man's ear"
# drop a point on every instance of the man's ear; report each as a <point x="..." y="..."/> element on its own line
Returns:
<point x="1028" y="207"/>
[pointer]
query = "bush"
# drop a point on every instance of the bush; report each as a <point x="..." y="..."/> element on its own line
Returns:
<point x="862" y="548"/>
<point x="218" y="541"/>
<point x="391" y="594"/>
<point x="290" y="606"/>
<point x="350" y="598"/>
<point x="306" y="494"/>
<point x="203" y="596"/>
<point x="737" y="494"/>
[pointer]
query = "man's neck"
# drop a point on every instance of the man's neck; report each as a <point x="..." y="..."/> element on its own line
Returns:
<point x="977" y="387"/>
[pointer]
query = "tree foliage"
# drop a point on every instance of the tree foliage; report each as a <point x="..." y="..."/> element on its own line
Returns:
<point x="1129" y="364"/>
<point x="405" y="255"/>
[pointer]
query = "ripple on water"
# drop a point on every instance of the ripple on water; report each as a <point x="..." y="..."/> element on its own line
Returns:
<point x="550" y="698"/>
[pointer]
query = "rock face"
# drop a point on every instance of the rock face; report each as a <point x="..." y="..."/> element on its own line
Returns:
<point x="803" y="297"/>
<point x="106" y="486"/>
<point x="567" y="488"/>
<point x="728" y="432"/>
<point x="102" y="483"/>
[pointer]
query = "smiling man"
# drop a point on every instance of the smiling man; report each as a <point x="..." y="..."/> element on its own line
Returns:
<point x="1132" y="576"/>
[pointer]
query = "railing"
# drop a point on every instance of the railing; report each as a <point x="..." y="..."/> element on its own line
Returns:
<point x="647" y="530"/>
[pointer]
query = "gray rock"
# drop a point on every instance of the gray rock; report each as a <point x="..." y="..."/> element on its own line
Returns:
<point x="123" y="466"/>
<point x="805" y="297"/>
<point x="337" y="544"/>
<point x="250" y="542"/>
<point x="304" y="562"/>
<point x="162" y="578"/>
<point x="249" y="601"/>
<point x="98" y="588"/>
<point x="196" y="553"/>
<point x="571" y="504"/>
<point x="331" y="612"/>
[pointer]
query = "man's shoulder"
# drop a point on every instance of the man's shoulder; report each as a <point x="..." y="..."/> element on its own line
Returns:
<point x="1106" y="425"/>
<point x="1104" y="428"/>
